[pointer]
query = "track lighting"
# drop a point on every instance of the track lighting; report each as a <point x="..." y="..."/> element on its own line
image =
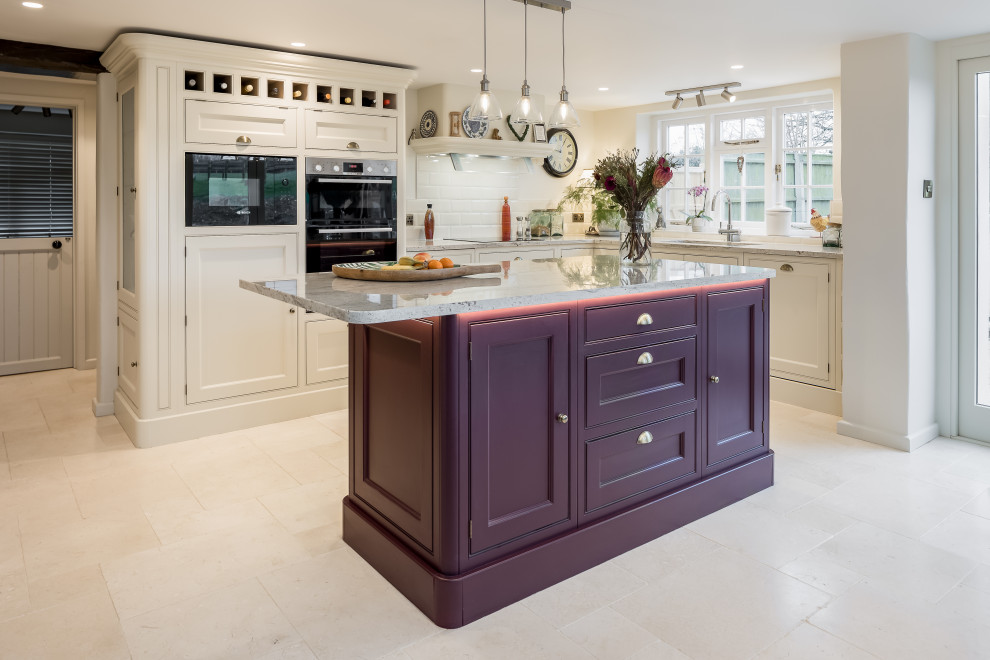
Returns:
<point x="701" y="98"/>
<point x="728" y="96"/>
<point x="485" y="104"/>
<point x="526" y="111"/>
<point x="564" y="115"/>
<point x="677" y="102"/>
<point x="700" y="93"/>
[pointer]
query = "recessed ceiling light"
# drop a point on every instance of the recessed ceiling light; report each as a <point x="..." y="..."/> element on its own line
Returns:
<point x="736" y="66"/>
<point x="297" y="44"/>
<point x="33" y="5"/>
<point x="603" y="89"/>
<point x="476" y="71"/>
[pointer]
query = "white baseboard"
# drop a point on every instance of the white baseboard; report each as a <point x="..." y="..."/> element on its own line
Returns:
<point x="102" y="408"/>
<point x="812" y="397"/>
<point x="157" y="431"/>
<point x="908" y="442"/>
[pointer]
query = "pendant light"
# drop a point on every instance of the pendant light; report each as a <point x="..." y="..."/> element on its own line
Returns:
<point x="485" y="104"/>
<point x="526" y="111"/>
<point x="564" y="115"/>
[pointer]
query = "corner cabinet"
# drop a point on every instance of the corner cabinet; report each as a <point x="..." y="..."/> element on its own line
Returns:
<point x="496" y="453"/>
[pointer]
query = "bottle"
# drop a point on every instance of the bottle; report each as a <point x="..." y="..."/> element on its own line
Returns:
<point x="520" y="231"/>
<point x="506" y="220"/>
<point x="428" y="222"/>
<point x="247" y="89"/>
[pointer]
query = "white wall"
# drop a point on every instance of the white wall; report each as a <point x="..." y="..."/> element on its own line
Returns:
<point x="888" y="123"/>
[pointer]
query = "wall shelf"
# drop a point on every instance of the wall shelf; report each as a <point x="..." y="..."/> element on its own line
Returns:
<point x="481" y="147"/>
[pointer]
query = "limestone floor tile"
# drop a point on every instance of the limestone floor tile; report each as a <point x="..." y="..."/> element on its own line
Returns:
<point x="978" y="578"/>
<point x="321" y="540"/>
<point x="240" y="621"/>
<point x="606" y="634"/>
<point x="787" y="494"/>
<point x="900" y="504"/>
<point x="974" y="462"/>
<point x="963" y="534"/>
<point x="822" y="573"/>
<point x="335" y="421"/>
<point x="344" y="609"/>
<point x="335" y="454"/>
<point x="306" y="466"/>
<point x="821" y="517"/>
<point x="310" y="506"/>
<point x="31" y="386"/>
<point x="32" y="444"/>
<point x="566" y="602"/>
<point x="15" y="598"/>
<point x="293" y="435"/>
<point x="871" y="618"/>
<point x="979" y="505"/>
<point x="83" y="628"/>
<point x="23" y="416"/>
<point x="810" y="643"/>
<point x="724" y="606"/>
<point x="3" y="448"/>
<point x="759" y="533"/>
<point x="152" y="579"/>
<point x="661" y="557"/>
<point x="50" y="469"/>
<point x="967" y="602"/>
<point x="906" y="567"/>
<point x="172" y="525"/>
<point x="658" y="650"/>
<point x="38" y="500"/>
<point x="145" y="488"/>
<point x="11" y="555"/>
<point x="513" y="632"/>
<point x="236" y="479"/>
<point x="785" y="465"/>
<point x="55" y="588"/>
<point x="4" y="471"/>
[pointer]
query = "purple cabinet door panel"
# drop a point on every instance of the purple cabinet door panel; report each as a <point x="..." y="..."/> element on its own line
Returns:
<point x="520" y="453"/>
<point x="637" y="318"/>
<point x="622" y="384"/>
<point x="737" y="375"/>
<point x="634" y="465"/>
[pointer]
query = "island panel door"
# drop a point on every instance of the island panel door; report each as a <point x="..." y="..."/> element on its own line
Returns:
<point x="520" y="453"/>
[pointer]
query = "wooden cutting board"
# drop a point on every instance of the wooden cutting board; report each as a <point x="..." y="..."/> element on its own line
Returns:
<point x="372" y="270"/>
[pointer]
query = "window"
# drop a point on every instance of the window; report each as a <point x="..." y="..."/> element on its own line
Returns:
<point x="743" y="177"/>
<point x="806" y="155"/>
<point x="685" y="140"/>
<point x="35" y="172"/>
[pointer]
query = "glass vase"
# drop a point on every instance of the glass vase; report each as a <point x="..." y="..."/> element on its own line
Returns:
<point x="635" y="240"/>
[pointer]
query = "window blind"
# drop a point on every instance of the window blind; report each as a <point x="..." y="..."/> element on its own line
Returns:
<point x="35" y="185"/>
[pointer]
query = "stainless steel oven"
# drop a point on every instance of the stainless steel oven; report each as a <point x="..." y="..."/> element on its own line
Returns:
<point x="351" y="211"/>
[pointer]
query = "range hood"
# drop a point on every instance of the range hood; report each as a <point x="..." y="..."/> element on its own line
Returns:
<point x="463" y="150"/>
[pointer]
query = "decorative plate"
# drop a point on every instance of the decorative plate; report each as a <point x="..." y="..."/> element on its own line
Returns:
<point x="428" y="124"/>
<point x="473" y="128"/>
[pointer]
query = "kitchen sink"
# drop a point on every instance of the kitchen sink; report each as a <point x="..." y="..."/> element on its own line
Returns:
<point x="714" y="242"/>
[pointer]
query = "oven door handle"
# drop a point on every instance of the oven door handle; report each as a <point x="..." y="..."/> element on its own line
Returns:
<point x="361" y="230"/>
<point x="345" y="180"/>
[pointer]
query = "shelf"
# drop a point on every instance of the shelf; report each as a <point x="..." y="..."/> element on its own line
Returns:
<point x="506" y="147"/>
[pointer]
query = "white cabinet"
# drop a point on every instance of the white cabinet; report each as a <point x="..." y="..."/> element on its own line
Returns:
<point x="343" y="131"/>
<point x="240" y="124"/>
<point x="802" y="329"/>
<point x="326" y="351"/>
<point x="459" y="256"/>
<point x="127" y="355"/>
<point x="238" y="342"/>
<point x="577" y="252"/>
<point x="509" y="254"/>
<point x="709" y="258"/>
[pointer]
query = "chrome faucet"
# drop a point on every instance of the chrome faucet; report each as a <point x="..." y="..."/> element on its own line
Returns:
<point x="731" y="235"/>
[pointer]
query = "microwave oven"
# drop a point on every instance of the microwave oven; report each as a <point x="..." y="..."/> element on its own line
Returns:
<point x="224" y="190"/>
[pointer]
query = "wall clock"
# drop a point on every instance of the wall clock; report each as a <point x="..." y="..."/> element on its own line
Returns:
<point x="428" y="124"/>
<point x="563" y="158"/>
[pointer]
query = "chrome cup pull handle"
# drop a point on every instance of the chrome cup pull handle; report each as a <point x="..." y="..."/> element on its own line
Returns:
<point x="644" y="438"/>
<point x="644" y="319"/>
<point x="645" y="358"/>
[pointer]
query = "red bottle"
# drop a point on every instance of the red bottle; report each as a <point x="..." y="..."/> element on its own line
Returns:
<point x="506" y="221"/>
<point x="428" y="222"/>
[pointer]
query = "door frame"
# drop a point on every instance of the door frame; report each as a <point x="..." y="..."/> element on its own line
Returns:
<point x="79" y="95"/>
<point x="949" y="54"/>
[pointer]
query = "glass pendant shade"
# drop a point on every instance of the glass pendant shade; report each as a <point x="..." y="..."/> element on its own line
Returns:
<point x="564" y="115"/>
<point x="485" y="104"/>
<point x="526" y="111"/>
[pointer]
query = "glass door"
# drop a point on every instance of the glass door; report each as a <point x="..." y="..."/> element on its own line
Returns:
<point x="974" y="249"/>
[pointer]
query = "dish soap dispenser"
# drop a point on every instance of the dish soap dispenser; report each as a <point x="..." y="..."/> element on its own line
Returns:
<point x="506" y="220"/>
<point x="428" y="222"/>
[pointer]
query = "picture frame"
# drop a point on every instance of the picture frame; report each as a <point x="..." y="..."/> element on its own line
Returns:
<point x="539" y="132"/>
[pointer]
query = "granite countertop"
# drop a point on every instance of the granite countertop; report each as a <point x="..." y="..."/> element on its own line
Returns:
<point x="522" y="283"/>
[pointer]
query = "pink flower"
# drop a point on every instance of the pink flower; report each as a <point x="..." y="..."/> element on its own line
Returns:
<point x="663" y="175"/>
<point x="610" y="183"/>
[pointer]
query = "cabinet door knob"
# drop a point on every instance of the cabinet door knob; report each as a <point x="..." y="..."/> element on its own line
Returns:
<point x="714" y="379"/>
<point x="562" y="418"/>
<point x="645" y="358"/>
<point x="133" y="364"/>
<point x="644" y="438"/>
<point x="292" y="310"/>
<point x="353" y="145"/>
<point x="243" y="139"/>
<point x="369" y="252"/>
<point x="644" y="319"/>
<point x="787" y="268"/>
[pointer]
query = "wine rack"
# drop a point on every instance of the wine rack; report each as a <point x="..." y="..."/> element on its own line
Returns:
<point x="324" y="94"/>
<point x="223" y="84"/>
<point x="347" y="96"/>
<point x="194" y="80"/>
<point x="369" y="99"/>
<point x="275" y="89"/>
<point x="299" y="91"/>
<point x="249" y="86"/>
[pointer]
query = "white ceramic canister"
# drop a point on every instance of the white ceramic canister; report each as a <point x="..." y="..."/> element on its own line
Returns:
<point x="779" y="221"/>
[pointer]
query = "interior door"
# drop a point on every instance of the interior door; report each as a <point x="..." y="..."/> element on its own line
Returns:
<point x="974" y="249"/>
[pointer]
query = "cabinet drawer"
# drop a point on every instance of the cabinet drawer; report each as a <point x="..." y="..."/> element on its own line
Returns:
<point x="636" y="381"/>
<point x="224" y="123"/>
<point x="634" y="464"/>
<point x="346" y="132"/>
<point x="614" y="321"/>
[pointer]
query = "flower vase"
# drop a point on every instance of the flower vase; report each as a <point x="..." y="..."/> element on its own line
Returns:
<point x="700" y="223"/>
<point x="635" y="240"/>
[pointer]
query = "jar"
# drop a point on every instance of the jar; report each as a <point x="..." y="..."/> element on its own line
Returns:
<point x="832" y="235"/>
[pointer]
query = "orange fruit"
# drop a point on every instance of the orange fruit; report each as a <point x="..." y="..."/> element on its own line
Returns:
<point x="447" y="262"/>
<point x="435" y="265"/>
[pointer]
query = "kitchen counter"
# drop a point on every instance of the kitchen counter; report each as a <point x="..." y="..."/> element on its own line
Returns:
<point x="522" y="283"/>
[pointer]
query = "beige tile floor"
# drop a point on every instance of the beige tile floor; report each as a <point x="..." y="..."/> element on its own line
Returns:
<point x="229" y="547"/>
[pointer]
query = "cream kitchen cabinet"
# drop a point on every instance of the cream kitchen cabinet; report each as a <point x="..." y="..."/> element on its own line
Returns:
<point x="128" y="354"/>
<point x="510" y="253"/>
<point x="227" y="327"/>
<point x="326" y="350"/>
<point x="731" y="260"/>
<point x="577" y="251"/>
<point x="341" y="131"/>
<point x="240" y="124"/>
<point x="460" y="256"/>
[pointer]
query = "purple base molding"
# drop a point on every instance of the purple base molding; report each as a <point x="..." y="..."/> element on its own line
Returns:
<point x="452" y="601"/>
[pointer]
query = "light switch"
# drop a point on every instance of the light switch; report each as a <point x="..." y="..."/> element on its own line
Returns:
<point x="928" y="189"/>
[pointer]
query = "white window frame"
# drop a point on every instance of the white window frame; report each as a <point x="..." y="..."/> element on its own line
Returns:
<point x="673" y="216"/>
<point x="780" y="148"/>
<point x="745" y="146"/>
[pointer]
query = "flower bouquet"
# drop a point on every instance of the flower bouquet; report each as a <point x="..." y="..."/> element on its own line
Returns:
<point x="634" y="187"/>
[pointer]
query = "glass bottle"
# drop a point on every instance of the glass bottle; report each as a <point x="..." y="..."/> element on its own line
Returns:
<point x="506" y="220"/>
<point x="428" y="222"/>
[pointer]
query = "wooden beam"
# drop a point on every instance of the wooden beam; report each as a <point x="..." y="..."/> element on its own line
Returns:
<point x="20" y="55"/>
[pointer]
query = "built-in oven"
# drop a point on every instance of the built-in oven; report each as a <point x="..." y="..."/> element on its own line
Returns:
<point x="350" y="211"/>
<point x="224" y="190"/>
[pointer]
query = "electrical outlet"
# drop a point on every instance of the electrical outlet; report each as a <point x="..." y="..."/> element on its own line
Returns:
<point x="577" y="217"/>
<point x="409" y="219"/>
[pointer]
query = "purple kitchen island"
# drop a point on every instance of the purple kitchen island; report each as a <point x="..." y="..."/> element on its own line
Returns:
<point x="509" y="432"/>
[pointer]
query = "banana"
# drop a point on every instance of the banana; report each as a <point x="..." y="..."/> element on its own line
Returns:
<point x="407" y="261"/>
<point x="398" y="267"/>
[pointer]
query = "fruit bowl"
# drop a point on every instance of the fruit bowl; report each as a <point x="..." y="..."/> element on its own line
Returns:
<point x="377" y="271"/>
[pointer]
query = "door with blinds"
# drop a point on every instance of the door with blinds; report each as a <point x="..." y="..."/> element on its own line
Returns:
<point x="36" y="204"/>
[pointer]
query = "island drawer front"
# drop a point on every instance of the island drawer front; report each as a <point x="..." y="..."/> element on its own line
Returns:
<point x="635" y="465"/>
<point x="640" y="318"/>
<point x="649" y="378"/>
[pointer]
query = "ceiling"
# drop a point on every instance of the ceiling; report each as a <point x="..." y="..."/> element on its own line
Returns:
<point x="636" y="48"/>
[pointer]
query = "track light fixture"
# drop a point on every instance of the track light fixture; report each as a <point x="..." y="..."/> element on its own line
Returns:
<point x="526" y="111"/>
<point x="700" y="92"/>
<point x="485" y="104"/>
